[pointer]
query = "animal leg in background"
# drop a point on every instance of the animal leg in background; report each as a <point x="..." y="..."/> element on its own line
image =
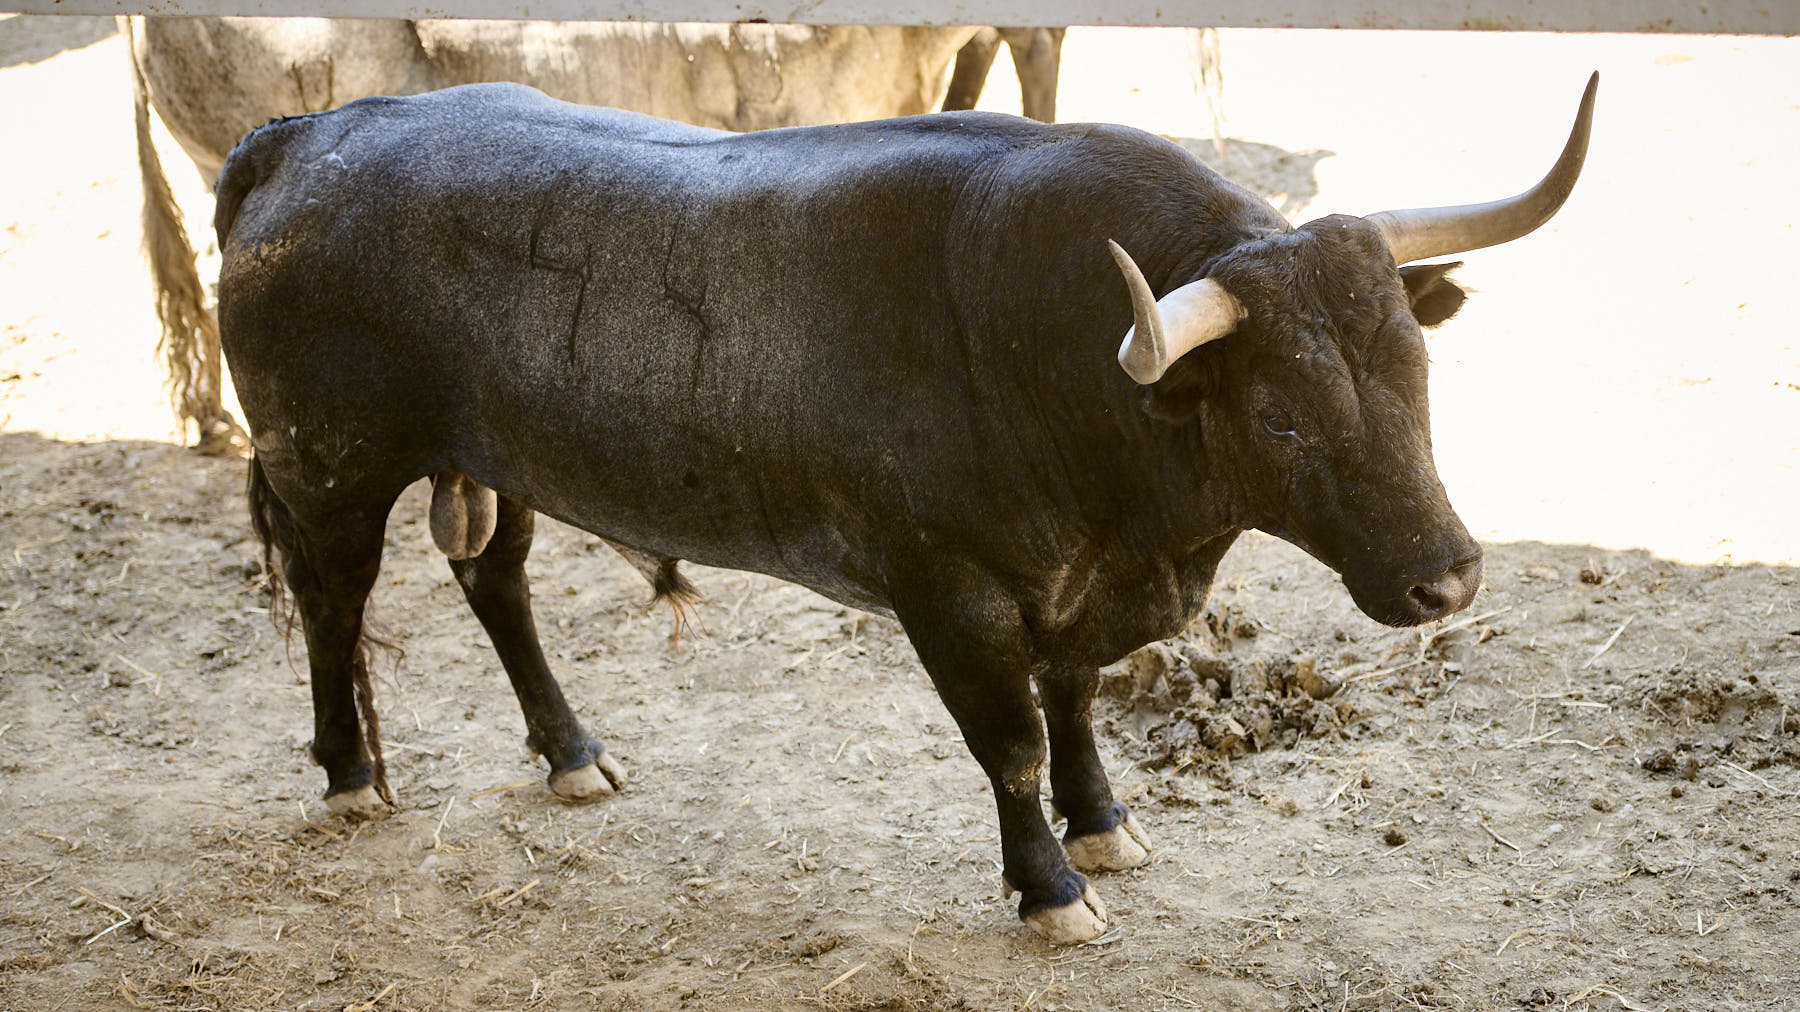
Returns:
<point x="969" y="78"/>
<point x="1037" y="59"/>
<point x="496" y="587"/>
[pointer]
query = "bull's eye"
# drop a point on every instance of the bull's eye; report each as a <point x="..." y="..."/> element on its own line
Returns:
<point x="1278" y="423"/>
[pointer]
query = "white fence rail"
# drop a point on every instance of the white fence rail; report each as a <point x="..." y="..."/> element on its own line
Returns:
<point x="1736" y="17"/>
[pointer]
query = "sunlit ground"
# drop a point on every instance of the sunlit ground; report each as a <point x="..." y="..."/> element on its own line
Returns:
<point x="1626" y="377"/>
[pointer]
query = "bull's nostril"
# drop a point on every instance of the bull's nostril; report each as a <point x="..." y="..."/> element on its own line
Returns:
<point x="1427" y="602"/>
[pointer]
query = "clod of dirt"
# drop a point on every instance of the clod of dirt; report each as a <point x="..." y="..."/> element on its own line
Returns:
<point x="1665" y="761"/>
<point x="1248" y="680"/>
<point x="1735" y="718"/>
<point x="1539" y="998"/>
<point x="1304" y="677"/>
<point x="1191" y="707"/>
<point x="817" y="944"/>
<point x="1228" y="624"/>
<point x="1138" y="674"/>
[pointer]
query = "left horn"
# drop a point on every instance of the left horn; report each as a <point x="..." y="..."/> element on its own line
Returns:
<point x="1185" y="319"/>
<point x="1422" y="232"/>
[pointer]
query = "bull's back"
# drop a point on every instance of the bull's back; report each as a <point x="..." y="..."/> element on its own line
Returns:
<point x="690" y="341"/>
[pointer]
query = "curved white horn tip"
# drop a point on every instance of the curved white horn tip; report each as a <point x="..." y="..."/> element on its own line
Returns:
<point x="1584" y="111"/>
<point x="1142" y="353"/>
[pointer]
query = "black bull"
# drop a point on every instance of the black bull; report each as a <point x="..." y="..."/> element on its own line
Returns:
<point x="873" y="359"/>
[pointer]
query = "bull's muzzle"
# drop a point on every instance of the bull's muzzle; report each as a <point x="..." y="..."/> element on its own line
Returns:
<point x="1445" y="594"/>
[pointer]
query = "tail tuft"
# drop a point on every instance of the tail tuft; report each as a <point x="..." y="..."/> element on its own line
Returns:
<point x="274" y="526"/>
<point x="672" y="586"/>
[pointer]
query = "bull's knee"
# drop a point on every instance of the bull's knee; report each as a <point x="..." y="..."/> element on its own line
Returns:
<point x="463" y="514"/>
<point x="1020" y="771"/>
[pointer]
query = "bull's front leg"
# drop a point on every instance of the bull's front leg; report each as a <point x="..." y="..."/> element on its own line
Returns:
<point x="1102" y="834"/>
<point x="983" y="677"/>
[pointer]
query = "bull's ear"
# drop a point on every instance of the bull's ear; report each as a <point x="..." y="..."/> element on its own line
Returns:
<point x="1191" y="379"/>
<point x="1434" y="297"/>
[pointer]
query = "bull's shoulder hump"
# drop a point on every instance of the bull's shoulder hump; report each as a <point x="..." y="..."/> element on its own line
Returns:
<point x="950" y="142"/>
<point x="1112" y="156"/>
<point x="1114" y="139"/>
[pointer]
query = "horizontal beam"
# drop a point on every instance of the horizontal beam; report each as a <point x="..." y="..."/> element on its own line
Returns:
<point x="1729" y="17"/>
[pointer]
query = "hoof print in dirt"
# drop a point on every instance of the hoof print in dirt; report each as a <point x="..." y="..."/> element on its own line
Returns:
<point x="1082" y="920"/>
<point x="601" y="778"/>
<point x="1126" y="845"/>
<point x="361" y="803"/>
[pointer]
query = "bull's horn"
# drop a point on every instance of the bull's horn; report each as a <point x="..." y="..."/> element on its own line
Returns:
<point x="1422" y="232"/>
<point x="1185" y="319"/>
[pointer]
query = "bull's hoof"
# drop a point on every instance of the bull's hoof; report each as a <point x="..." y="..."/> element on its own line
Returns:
<point x="358" y="803"/>
<point x="1080" y="921"/>
<point x="1121" y="847"/>
<point x="601" y="778"/>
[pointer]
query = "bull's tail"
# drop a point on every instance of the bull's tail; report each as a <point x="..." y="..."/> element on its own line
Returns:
<point x="236" y="180"/>
<point x="190" y="334"/>
<point x="289" y="569"/>
<point x="683" y="598"/>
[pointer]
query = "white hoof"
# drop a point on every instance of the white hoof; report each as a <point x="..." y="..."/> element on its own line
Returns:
<point x="1081" y="921"/>
<point x="1121" y="847"/>
<point x="361" y="803"/>
<point x="599" y="779"/>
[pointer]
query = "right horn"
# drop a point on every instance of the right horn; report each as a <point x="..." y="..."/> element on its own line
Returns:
<point x="1162" y="332"/>
<point x="1422" y="232"/>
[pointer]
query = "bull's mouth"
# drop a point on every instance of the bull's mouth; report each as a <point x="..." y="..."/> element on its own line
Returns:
<point x="1405" y="600"/>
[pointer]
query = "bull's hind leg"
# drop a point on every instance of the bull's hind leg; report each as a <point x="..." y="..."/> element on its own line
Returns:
<point x="329" y="558"/>
<point x="496" y="587"/>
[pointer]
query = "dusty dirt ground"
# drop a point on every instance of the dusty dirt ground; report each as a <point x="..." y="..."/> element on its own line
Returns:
<point x="1583" y="793"/>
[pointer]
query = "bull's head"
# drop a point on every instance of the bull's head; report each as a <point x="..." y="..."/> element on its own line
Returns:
<point x="1322" y="386"/>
